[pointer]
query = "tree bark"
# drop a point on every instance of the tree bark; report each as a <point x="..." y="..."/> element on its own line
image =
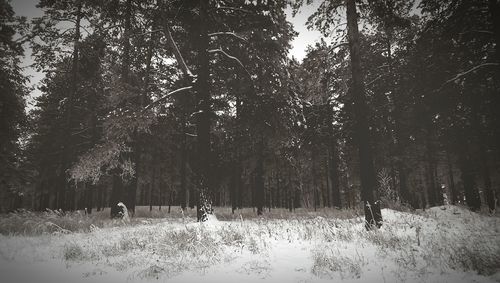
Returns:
<point x="183" y="191"/>
<point x="64" y="200"/>
<point x="334" y="173"/>
<point x="259" y="177"/>
<point x="373" y="216"/>
<point x="203" y="117"/>
<point x="90" y="198"/>
<point x="313" y="177"/>
<point x="430" y="180"/>
<point x="451" y="179"/>
<point x="483" y="156"/>
<point x="468" y="178"/>
<point x="120" y="191"/>
<point x="494" y="9"/>
<point x="398" y="145"/>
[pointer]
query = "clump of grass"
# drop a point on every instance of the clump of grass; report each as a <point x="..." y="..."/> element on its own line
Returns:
<point x="152" y="272"/>
<point x="48" y="222"/>
<point x="483" y="259"/>
<point x="261" y="268"/>
<point x="231" y="235"/>
<point x="469" y="250"/>
<point x="388" y="239"/>
<point x="328" y="263"/>
<point x="73" y="251"/>
<point x="195" y="247"/>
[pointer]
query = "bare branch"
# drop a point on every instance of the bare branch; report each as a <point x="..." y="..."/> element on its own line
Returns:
<point x="233" y="9"/>
<point x="375" y="79"/>
<point x="478" y="31"/>
<point x="177" y="53"/>
<point x="339" y="45"/>
<point x="167" y="96"/>
<point x="219" y="50"/>
<point x="148" y="32"/>
<point x="463" y="74"/>
<point x="227" y="33"/>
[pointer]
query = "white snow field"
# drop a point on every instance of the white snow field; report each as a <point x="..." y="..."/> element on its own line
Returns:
<point x="442" y="244"/>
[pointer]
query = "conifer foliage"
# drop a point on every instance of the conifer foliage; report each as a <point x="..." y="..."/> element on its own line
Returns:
<point x="199" y="104"/>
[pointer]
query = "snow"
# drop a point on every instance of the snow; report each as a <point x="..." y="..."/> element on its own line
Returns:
<point x="428" y="246"/>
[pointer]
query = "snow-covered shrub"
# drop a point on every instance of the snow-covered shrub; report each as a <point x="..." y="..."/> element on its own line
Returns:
<point x="465" y="240"/>
<point x="480" y="257"/>
<point x="253" y="245"/>
<point x="388" y="194"/>
<point x="231" y="235"/>
<point x="388" y="239"/>
<point x="48" y="222"/>
<point x="152" y="272"/>
<point x="73" y="252"/>
<point x="328" y="262"/>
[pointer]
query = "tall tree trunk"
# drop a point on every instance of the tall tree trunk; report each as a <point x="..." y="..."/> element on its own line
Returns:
<point x="131" y="186"/>
<point x="468" y="178"/>
<point x="290" y="191"/>
<point x="135" y="143"/>
<point x="396" y="115"/>
<point x="451" y="179"/>
<point x="494" y="9"/>
<point x="483" y="156"/>
<point x="313" y="177"/>
<point x="430" y="180"/>
<point x="100" y="201"/>
<point x="371" y="205"/>
<point x="183" y="191"/>
<point x="485" y="171"/>
<point x="329" y="187"/>
<point x="90" y="198"/>
<point x="151" y="188"/>
<point x="278" y="187"/>
<point x="259" y="177"/>
<point x="67" y="202"/>
<point x="120" y="191"/>
<point x="203" y="117"/>
<point x="236" y="184"/>
<point x="334" y="173"/>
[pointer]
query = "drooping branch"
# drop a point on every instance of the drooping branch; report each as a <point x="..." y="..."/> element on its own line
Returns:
<point x="465" y="73"/>
<point x="177" y="53"/>
<point x="227" y="33"/>
<point x="375" y="79"/>
<point x="219" y="50"/>
<point x="167" y="96"/>
<point x="339" y="45"/>
<point x="148" y="32"/>
<point x="234" y="9"/>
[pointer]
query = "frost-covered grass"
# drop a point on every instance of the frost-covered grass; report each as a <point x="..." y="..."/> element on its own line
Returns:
<point x="50" y="221"/>
<point x="53" y="221"/>
<point x="447" y="244"/>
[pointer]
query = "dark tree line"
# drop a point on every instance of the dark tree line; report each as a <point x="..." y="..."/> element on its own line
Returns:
<point x="196" y="104"/>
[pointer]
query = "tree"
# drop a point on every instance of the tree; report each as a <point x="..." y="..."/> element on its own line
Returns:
<point x="323" y="20"/>
<point x="12" y="117"/>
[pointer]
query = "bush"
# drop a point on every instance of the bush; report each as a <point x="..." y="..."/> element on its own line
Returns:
<point x="50" y="221"/>
<point x="327" y="263"/>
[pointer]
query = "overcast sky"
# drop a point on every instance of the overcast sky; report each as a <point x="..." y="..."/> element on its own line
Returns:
<point x="299" y="45"/>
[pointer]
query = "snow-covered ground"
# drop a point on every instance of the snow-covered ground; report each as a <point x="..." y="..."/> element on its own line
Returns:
<point x="442" y="244"/>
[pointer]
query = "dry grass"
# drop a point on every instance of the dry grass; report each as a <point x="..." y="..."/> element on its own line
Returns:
<point x="169" y="244"/>
<point x="53" y="221"/>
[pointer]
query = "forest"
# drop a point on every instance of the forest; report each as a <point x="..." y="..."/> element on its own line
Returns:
<point x="197" y="104"/>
